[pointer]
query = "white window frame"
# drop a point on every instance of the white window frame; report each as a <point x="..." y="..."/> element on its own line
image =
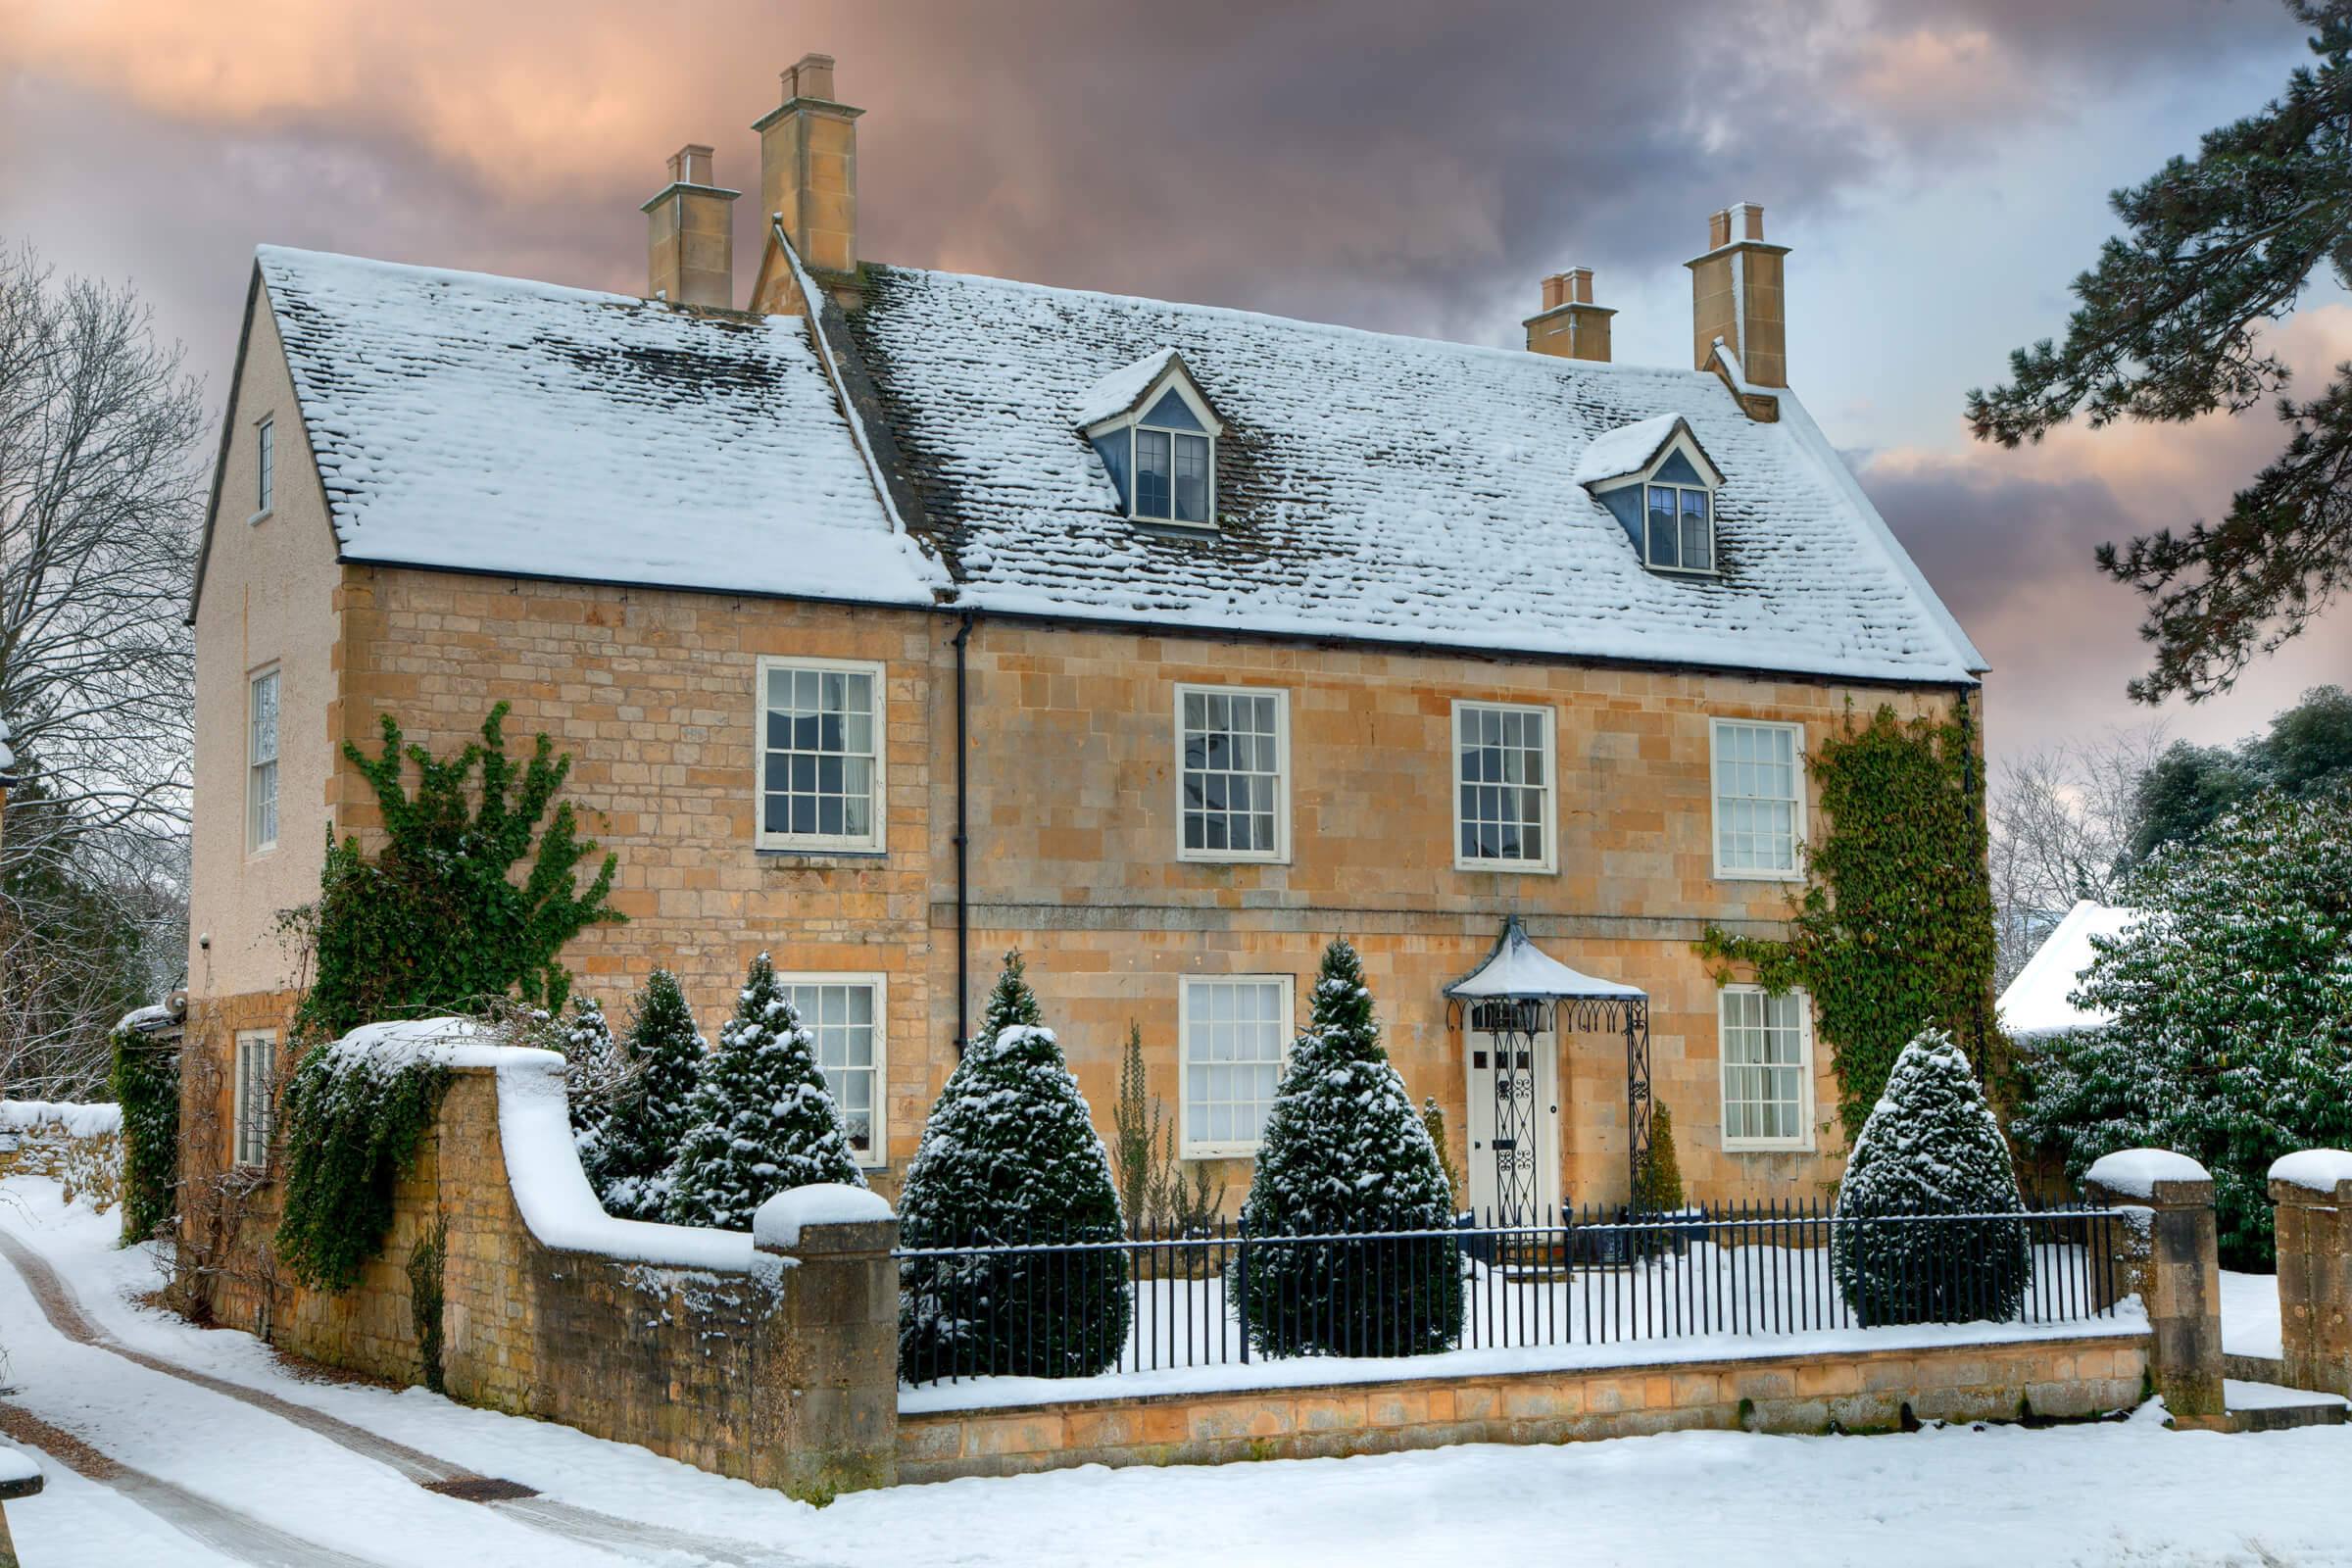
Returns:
<point x="876" y="842"/>
<point x="1802" y="1142"/>
<point x="250" y="1126"/>
<point x="1715" y="799"/>
<point x="878" y="1156"/>
<point x="265" y="468"/>
<point x="1549" y="860"/>
<point x="255" y="842"/>
<point x="1138" y="418"/>
<point x="1280" y="855"/>
<point x="1186" y="1146"/>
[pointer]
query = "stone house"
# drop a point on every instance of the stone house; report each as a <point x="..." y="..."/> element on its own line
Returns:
<point x="907" y="617"/>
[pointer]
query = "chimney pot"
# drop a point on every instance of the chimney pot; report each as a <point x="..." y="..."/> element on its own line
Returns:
<point x="810" y="77"/>
<point x="1719" y="229"/>
<point x="691" y="165"/>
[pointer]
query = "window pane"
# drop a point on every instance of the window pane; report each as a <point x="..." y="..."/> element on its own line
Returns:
<point x="1699" y="538"/>
<point x="819" y="764"/>
<point x="1151" y="473"/>
<point x="1500" y="805"/>
<point x="1234" y="1036"/>
<point x="1756" y="784"/>
<point x="1664" y="525"/>
<point x="1115" y="448"/>
<point x="1192" y="478"/>
<point x="1763" y="1065"/>
<point x="1231" y="778"/>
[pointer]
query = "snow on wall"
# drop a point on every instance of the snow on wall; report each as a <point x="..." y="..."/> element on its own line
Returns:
<point x="2317" y="1170"/>
<point x="776" y="1226"/>
<point x="2036" y="1001"/>
<point x="2135" y="1172"/>
<point x="73" y="1119"/>
<point x="1378" y="486"/>
<point x="493" y="425"/>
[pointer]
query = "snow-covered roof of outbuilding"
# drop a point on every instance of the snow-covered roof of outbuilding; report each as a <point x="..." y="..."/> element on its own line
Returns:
<point x="2036" y="1001"/>
<point x="1375" y="486"/>
<point x="486" y="423"/>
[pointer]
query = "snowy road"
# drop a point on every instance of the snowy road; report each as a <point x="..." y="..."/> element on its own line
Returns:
<point x="334" y="1470"/>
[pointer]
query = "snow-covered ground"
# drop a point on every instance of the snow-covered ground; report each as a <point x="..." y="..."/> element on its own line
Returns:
<point x="2121" y="1493"/>
<point x="2250" y="1314"/>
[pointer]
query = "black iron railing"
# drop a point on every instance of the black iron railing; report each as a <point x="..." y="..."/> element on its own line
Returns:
<point x="1151" y="1302"/>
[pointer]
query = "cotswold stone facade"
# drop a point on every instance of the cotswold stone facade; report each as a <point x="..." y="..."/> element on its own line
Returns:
<point x="1022" y="529"/>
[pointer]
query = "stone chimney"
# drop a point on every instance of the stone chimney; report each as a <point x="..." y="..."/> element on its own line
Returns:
<point x="1735" y="295"/>
<point x="808" y="168"/>
<point x="1570" y="326"/>
<point x="690" y="248"/>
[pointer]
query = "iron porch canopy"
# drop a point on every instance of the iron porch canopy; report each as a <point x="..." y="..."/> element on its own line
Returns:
<point x="1509" y="993"/>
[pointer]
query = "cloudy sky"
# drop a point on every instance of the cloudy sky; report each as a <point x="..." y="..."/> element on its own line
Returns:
<point x="1410" y="166"/>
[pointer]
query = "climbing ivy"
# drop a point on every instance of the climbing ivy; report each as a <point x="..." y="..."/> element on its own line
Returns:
<point x="146" y="1083"/>
<point x="1893" y="931"/>
<point x="434" y="923"/>
<point x="352" y="1124"/>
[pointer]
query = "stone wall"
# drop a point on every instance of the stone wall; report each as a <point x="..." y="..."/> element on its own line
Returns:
<point x="780" y="1370"/>
<point x="1841" y="1390"/>
<point x="2314" y="1198"/>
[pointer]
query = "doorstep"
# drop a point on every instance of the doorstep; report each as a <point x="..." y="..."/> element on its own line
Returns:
<point x="2272" y="1407"/>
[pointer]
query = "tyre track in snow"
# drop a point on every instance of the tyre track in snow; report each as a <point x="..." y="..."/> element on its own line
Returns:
<point x="232" y="1534"/>
<point x="584" y="1526"/>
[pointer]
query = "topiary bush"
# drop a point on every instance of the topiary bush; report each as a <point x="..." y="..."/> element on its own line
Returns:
<point x="1931" y="1147"/>
<point x="146" y="1085"/>
<point x="760" y="1120"/>
<point x="1009" y="1155"/>
<point x="1347" y="1153"/>
<point x="1660" y="1189"/>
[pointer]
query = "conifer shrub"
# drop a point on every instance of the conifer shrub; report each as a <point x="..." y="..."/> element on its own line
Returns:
<point x="1346" y="1154"/>
<point x="629" y="1144"/>
<point x="146" y="1085"/>
<point x="1660" y="1190"/>
<point x="1010" y="1156"/>
<point x="761" y="1119"/>
<point x="1931" y="1146"/>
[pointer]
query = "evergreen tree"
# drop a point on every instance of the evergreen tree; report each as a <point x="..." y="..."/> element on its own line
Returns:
<point x="628" y="1158"/>
<point x="597" y="1078"/>
<point x="1008" y="1157"/>
<point x="1347" y="1153"/>
<point x="1660" y="1190"/>
<point x="2218" y="248"/>
<point x="761" y="1119"/>
<point x="2231" y="1000"/>
<point x="2308" y="750"/>
<point x="1931" y="1146"/>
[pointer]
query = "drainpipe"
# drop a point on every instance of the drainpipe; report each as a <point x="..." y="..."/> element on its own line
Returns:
<point x="964" y="910"/>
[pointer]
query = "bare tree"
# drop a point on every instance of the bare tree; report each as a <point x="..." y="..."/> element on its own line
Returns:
<point x="101" y="489"/>
<point x="2062" y="819"/>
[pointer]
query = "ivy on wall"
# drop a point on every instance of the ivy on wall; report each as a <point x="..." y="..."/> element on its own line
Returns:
<point x="1894" y="932"/>
<point x="434" y="923"/>
<point x="146" y="1085"/>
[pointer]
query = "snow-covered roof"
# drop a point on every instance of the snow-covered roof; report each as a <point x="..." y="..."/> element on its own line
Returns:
<point x="1376" y="486"/>
<point x="493" y="425"/>
<point x="1519" y="969"/>
<point x="2035" y="1002"/>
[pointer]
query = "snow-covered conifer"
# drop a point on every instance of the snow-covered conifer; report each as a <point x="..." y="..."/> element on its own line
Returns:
<point x="1346" y="1152"/>
<point x="1931" y="1146"/>
<point x="629" y="1154"/>
<point x="761" y="1120"/>
<point x="2231" y="996"/>
<point x="597" y="1078"/>
<point x="1009" y="1155"/>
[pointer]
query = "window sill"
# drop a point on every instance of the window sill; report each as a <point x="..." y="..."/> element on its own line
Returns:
<point x="1722" y="875"/>
<point x="1161" y="527"/>
<point x="1693" y="573"/>
<point x="1514" y="867"/>
<point x="810" y="851"/>
<point x="1749" y="1146"/>
<point x="263" y="515"/>
<point x="1214" y="857"/>
<point x="1221" y="1152"/>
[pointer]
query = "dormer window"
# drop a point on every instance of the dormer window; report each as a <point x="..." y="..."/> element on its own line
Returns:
<point x="1158" y="438"/>
<point x="1660" y="486"/>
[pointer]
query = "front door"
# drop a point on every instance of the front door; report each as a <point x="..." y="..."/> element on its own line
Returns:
<point x="1514" y="1122"/>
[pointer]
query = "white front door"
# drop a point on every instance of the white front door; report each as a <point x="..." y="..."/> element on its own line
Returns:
<point x="1514" y="1121"/>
